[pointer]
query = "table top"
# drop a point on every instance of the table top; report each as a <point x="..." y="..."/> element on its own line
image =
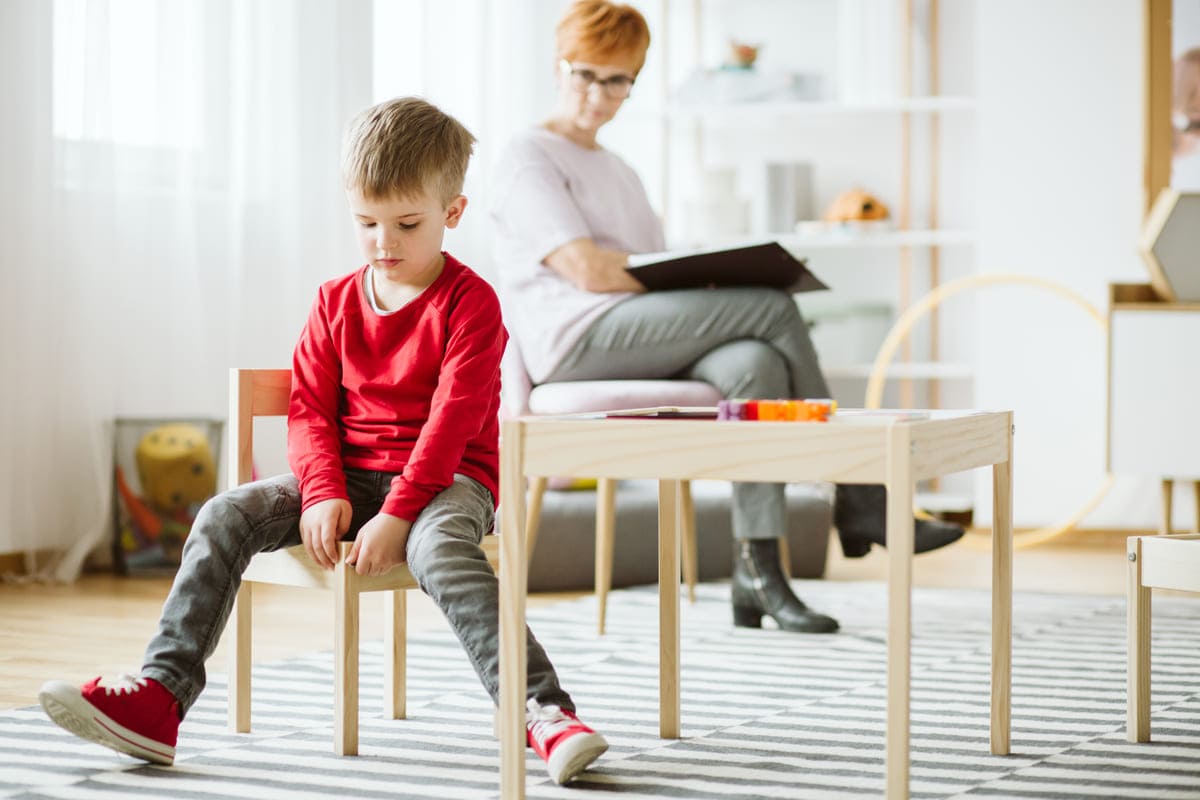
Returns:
<point x="853" y="447"/>
<point x="855" y="416"/>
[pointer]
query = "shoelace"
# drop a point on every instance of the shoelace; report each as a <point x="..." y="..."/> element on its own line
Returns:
<point x="545" y="721"/>
<point x="126" y="684"/>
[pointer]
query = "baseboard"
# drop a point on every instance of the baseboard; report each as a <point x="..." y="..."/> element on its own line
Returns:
<point x="14" y="563"/>
<point x="1093" y="537"/>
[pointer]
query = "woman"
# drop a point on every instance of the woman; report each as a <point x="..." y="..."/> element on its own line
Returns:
<point x="567" y="214"/>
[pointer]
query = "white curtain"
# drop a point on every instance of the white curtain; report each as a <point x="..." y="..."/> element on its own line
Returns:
<point x="170" y="203"/>
<point x="490" y="63"/>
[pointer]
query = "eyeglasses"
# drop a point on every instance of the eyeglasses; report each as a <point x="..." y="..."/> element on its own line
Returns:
<point x="616" y="87"/>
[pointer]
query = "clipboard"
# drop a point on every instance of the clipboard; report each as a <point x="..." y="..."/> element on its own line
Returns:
<point x="766" y="264"/>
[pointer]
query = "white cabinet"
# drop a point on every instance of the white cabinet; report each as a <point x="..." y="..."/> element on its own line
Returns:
<point x="1153" y="388"/>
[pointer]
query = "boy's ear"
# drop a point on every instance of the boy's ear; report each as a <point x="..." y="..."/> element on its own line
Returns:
<point x="454" y="211"/>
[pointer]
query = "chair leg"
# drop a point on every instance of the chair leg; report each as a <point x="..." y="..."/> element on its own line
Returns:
<point x="533" y="514"/>
<point x="1137" y="598"/>
<point x="345" y="660"/>
<point x="606" y="491"/>
<point x="1168" y="488"/>
<point x="239" y="660"/>
<point x="687" y="515"/>
<point x="395" y="645"/>
<point x="1196" y="492"/>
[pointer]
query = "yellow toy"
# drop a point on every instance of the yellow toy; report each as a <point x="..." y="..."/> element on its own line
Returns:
<point x="175" y="467"/>
<point x="176" y="472"/>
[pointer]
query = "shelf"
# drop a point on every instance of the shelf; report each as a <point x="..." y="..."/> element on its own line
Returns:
<point x="869" y="238"/>
<point x="801" y="242"/>
<point x="751" y="110"/>
<point x="931" y="370"/>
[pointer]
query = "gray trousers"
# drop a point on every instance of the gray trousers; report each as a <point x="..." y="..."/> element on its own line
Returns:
<point x="443" y="554"/>
<point x="746" y="342"/>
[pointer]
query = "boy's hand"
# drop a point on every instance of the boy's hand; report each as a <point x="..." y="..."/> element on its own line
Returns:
<point x="322" y="525"/>
<point x="380" y="545"/>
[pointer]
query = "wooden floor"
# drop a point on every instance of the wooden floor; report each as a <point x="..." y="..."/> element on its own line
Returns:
<point x="100" y="625"/>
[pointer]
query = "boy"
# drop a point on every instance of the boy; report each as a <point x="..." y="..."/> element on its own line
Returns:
<point x="392" y="438"/>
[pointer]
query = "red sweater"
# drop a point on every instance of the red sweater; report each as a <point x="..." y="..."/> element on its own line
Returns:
<point x="415" y="392"/>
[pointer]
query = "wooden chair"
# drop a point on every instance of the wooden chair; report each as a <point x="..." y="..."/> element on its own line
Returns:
<point x="264" y="393"/>
<point x="522" y="398"/>
<point x="1155" y="562"/>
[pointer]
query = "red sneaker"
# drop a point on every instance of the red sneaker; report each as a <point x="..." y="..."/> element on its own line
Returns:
<point x="138" y="716"/>
<point x="564" y="743"/>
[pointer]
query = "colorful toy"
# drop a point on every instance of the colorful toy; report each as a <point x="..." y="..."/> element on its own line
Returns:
<point x="176" y="473"/>
<point x="777" y="410"/>
<point x="175" y="467"/>
<point x="140" y="514"/>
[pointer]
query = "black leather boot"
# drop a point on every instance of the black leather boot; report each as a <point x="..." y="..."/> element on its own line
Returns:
<point x="759" y="587"/>
<point x="859" y="514"/>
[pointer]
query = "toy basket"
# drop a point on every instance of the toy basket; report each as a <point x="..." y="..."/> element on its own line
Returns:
<point x="163" y="471"/>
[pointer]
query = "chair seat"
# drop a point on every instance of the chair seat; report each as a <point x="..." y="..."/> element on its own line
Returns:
<point x="573" y="397"/>
<point x="292" y="566"/>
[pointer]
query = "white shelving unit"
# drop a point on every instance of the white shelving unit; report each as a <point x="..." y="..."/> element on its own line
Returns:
<point x="906" y="115"/>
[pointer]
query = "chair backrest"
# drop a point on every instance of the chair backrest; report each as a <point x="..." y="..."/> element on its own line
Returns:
<point x="515" y="383"/>
<point x="252" y="393"/>
<point x="519" y="397"/>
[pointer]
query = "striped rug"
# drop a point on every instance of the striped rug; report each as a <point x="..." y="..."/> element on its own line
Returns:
<point x="765" y="714"/>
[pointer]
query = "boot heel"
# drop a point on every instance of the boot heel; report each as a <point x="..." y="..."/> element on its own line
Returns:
<point x="744" y="617"/>
<point x="855" y="548"/>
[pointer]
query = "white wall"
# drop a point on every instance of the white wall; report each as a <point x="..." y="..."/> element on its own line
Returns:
<point x="1059" y="194"/>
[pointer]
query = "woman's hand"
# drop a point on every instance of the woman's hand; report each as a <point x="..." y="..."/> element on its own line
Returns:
<point x="380" y="545"/>
<point x="593" y="268"/>
<point x="322" y="525"/>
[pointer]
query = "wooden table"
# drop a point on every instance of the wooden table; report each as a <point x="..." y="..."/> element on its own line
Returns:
<point x="896" y="449"/>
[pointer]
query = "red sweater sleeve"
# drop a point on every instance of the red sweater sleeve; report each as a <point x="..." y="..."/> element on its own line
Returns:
<point x="464" y="402"/>
<point x="314" y="441"/>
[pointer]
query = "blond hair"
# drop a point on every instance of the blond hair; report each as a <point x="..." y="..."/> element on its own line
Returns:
<point x="406" y="147"/>
<point x="598" y="31"/>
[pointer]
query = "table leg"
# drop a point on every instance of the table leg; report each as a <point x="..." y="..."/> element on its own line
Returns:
<point x="668" y="608"/>
<point x="899" y="642"/>
<point x="513" y="577"/>
<point x="1002" y="553"/>
<point x="1138" y="599"/>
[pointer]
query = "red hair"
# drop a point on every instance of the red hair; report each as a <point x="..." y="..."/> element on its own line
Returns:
<point x="598" y="31"/>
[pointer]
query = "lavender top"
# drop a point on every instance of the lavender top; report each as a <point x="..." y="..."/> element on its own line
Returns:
<point x="548" y="191"/>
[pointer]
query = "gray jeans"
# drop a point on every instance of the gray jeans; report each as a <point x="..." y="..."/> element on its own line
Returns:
<point x="443" y="554"/>
<point x="746" y="342"/>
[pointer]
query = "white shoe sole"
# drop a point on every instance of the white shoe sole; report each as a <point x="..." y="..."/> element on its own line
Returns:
<point x="574" y="756"/>
<point x="64" y="704"/>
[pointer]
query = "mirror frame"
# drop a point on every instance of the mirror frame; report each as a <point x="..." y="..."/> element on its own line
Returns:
<point x="1158" y="79"/>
